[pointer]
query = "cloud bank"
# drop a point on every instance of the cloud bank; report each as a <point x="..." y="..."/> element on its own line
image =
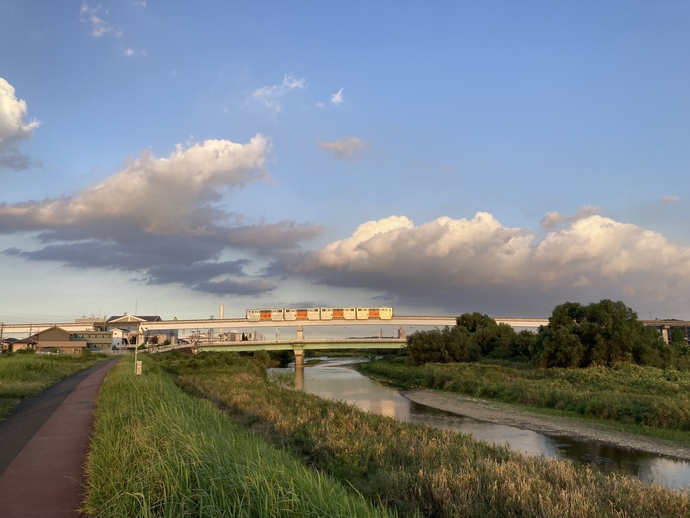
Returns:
<point x="13" y="129"/>
<point x="478" y="262"/>
<point x="163" y="218"/>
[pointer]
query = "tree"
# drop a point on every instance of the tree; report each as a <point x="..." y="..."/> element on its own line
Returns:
<point x="441" y="346"/>
<point x="601" y="333"/>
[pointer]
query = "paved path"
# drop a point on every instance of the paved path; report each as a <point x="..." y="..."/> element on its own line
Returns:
<point x="43" y="447"/>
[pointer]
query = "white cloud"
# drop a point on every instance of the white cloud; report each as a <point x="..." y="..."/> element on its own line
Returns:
<point x="13" y="128"/>
<point x="337" y="98"/>
<point x="12" y="114"/>
<point x="320" y="105"/>
<point x="132" y="53"/>
<point x="593" y="257"/>
<point x="99" y="27"/>
<point x="271" y="96"/>
<point x="670" y="199"/>
<point x="344" y="148"/>
<point x="554" y="219"/>
<point x="163" y="219"/>
<point x="172" y="195"/>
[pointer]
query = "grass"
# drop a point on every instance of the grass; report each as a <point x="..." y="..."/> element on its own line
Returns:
<point x="415" y="469"/>
<point x="27" y="375"/>
<point x="157" y="451"/>
<point x="641" y="397"/>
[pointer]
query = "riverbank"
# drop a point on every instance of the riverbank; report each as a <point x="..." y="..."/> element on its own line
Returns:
<point x="555" y="426"/>
<point x="413" y="469"/>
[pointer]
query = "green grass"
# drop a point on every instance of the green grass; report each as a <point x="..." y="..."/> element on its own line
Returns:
<point x="27" y="375"/>
<point x="157" y="451"/>
<point x="414" y="469"/>
<point x="641" y="397"/>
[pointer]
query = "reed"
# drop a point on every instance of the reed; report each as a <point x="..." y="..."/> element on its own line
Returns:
<point x="157" y="451"/>
<point x="26" y="375"/>
<point x="629" y="394"/>
<point x="419" y="470"/>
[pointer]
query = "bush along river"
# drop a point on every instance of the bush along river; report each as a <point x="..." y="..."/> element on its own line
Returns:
<point x="333" y="379"/>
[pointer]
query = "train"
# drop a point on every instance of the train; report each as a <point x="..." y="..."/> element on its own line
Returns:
<point x="281" y="314"/>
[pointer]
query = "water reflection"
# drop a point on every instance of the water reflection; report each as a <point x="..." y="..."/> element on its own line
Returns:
<point x="333" y="381"/>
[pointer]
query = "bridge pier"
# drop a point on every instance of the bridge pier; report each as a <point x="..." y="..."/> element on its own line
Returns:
<point x="299" y="378"/>
<point x="299" y="358"/>
<point x="664" y="333"/>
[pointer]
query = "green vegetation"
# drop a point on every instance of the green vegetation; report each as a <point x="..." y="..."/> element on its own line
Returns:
<point x="604" y="333"/>
<point x="629" y="394"/>
<point x="157" y="451"/>
<point x="414" y="469"/>
<point x="24" y="374"/>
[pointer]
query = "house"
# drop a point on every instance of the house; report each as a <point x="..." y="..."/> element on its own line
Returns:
<point x="56" y="339"/>
<point x="131" y="324"/>
<point x="120" y="338"/>
<point x="14" y="344"/>
<point x="95" y="339"/>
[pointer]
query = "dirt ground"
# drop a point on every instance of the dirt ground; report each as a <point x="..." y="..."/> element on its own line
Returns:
<point x="513" y="415"/>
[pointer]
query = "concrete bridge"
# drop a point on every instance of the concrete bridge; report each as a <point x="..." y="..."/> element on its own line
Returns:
<point x="297" y="346"/>
<point x="242" y="323"/>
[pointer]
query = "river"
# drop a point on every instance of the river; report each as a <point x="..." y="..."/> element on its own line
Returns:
<point x="333" y="380"/>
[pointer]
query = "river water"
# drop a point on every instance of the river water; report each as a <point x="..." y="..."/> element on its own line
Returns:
<point x="332" y="380"/>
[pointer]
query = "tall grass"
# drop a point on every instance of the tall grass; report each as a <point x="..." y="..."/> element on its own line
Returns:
<point x="416" y="469"/>
<point x="26" y="375"/>
<point x="157" y="451"/>
<point x="629" y="394"/>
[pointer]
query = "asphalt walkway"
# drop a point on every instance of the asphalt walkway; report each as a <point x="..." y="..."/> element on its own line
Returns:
<point x="43" y="447"/>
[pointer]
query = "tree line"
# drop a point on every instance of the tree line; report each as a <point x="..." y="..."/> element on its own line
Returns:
<point x="601" y="333"/>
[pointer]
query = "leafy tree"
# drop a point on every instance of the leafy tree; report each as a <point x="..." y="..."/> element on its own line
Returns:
<point x="487" y="334"/>
<point x="601" y="333"/>
<point x="677" y="337"/>
<point x="441" y="346"/>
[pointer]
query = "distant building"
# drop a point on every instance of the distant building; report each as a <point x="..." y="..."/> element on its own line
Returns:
<point x="120" y="338"/>
<point x="96" y="339"/>
<point x="131" y="323"/>
<point x="54" y="339"/>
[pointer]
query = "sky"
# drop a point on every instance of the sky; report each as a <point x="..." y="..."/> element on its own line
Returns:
<point x="166" y="157"/>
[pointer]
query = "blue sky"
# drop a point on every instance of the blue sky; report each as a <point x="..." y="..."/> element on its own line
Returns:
<point x="502" y="157"/>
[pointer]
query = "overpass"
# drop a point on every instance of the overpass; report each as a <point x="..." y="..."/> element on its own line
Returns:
<point x="296" y="346"/>
<point x="243" y="323"/>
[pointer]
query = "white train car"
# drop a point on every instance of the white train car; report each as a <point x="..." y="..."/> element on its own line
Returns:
<point x="259" y="315"/>
<point x="291" y="314"/>
<point x="302" y="314"/>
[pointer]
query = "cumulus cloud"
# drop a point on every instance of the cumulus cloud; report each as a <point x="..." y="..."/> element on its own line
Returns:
<point x="670" y="199"/>
<point x="99" y="27"/>
<point x="13" y="129"/>
<point x="337" y="98"/>
<point x="271" y="96"/>
<point x="554" y="219"/>
<point x="163" y="218"/>
<point x="172" y="195"/>
<point x="475" y="261"/>
<point x="345" y="148"/>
